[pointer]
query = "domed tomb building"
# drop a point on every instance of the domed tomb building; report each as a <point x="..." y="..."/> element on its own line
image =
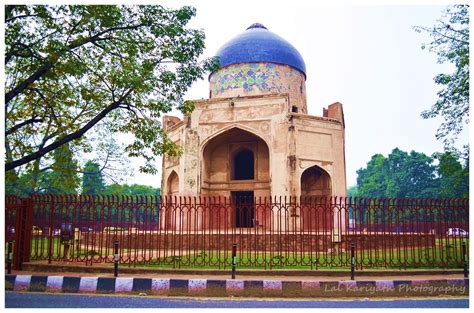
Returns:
<point x="253" y="136"/>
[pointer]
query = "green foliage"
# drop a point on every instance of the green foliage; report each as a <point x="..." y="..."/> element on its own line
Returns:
<point x="134" y="189"/>
<point x="413" y="175"/>
<point x="69" y="68"/>
<point x="58" y="178"/>
<point x="451" y="44"/>
<point x="453" y="176"/>
<point x="12" y="183"/>
<point x="352" y="191"/>
<point x="62" y="178"/>
<point x="92" y="180"/>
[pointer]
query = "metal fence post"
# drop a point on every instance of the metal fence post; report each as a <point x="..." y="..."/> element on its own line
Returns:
<point x="234" y="259"/>
<point x="50" y="229"/>
<point x="352" y="261"/>
<point x="9" y="264"/>
<point x="116" y="258"/>
<point x="23" y="222"/>
<point x="464" y="257"/>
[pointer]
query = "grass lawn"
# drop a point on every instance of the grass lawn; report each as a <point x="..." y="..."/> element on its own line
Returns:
<point x="450" y="255"/>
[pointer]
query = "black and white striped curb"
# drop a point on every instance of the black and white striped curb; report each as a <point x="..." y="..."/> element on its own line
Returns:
<point x="164" y="286"/>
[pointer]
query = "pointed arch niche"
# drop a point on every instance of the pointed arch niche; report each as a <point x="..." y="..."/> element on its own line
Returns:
<point x="315" y="182"/>
<point x="235" y="160"/>
<point x="173" y="184"/>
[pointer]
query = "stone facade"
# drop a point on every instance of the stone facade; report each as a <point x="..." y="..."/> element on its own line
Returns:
<point x="254" y="136"/>
<point x="295" y="154"/>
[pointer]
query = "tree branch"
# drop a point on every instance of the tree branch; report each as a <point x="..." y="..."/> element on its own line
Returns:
<point x="20" y="125"/>
<point x="49" y="65"/>
<point x="19" y="16"/>
<point x="72" y="136"/>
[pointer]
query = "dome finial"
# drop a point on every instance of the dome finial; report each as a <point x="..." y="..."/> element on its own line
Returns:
<point x="257" y="25"/>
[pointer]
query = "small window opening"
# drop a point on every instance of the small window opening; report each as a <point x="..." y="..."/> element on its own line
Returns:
<point x="294" y="109"/>
<point x="243" y="165"/>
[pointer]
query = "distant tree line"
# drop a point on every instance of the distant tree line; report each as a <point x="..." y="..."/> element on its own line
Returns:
<point x="413" y="175"/>
<point x="65" y="177"/>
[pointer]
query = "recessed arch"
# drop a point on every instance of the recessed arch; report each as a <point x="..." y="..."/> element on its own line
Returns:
<point x="225" y="129"/>
<point x="315" y="181"/>
<point x="173" y="183"/>
<point x="232" y="158"/>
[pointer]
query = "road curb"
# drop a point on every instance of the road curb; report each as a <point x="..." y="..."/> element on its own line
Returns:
<point x="231" y="287"/>
<point x="100" y="269"/>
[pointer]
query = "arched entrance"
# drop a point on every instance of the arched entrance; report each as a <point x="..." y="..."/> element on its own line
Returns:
<point x="236" y="164"/>
<point x="236" y="160"/>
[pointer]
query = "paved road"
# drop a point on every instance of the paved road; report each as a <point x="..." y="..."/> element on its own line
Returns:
<point x="42" y="300"/>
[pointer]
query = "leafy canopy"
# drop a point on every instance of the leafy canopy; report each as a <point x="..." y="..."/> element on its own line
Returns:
<point x="134" y="189"/>
<point x="412" y="175"/>
<point x="71" y="67"/>
<point x="451" y="44"/>
<point x="61" y="177"/>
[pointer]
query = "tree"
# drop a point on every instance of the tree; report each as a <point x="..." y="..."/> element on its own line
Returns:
<point x="352" y="191"/>
<point x="71" y="67"/>
<point x="451" y="44"/>
<point x="371" y="181"/>
<point x="92" y="180"/>
<point x="62" y="178"/>
<point x="410" y="175"/>
<point x="115" y="166"/>
<point x="400" y="175"/>
<point x="134" y="189"/>
<point x="413" y="175"/>
<point x="453" y="176"/>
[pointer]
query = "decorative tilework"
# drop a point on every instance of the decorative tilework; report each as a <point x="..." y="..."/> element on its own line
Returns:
<point x="255" y="77"/>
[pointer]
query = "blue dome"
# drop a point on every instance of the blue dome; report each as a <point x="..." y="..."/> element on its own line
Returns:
<point x="258" y="44"/>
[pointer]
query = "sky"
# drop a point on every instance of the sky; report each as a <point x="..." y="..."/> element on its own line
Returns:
<point x="365" y="55"/>
<point x="368" y="57"/>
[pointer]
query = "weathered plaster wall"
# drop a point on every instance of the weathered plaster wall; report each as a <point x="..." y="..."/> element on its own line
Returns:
<point x="295" y="143"/>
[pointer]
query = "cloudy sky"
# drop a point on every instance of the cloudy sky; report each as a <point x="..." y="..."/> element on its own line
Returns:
<point x="368" y="57"/>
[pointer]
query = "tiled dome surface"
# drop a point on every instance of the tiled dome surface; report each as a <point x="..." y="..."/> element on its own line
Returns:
<point x="258" y="44"/>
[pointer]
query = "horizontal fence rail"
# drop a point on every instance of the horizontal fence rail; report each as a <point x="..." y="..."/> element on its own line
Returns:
<point x="277" y="232"/>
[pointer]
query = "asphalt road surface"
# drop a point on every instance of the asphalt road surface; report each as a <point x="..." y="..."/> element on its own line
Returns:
<point x="42" y="300"/>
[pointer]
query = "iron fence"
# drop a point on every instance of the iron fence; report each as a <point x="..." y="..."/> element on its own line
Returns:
<point x="276" y="232"/>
